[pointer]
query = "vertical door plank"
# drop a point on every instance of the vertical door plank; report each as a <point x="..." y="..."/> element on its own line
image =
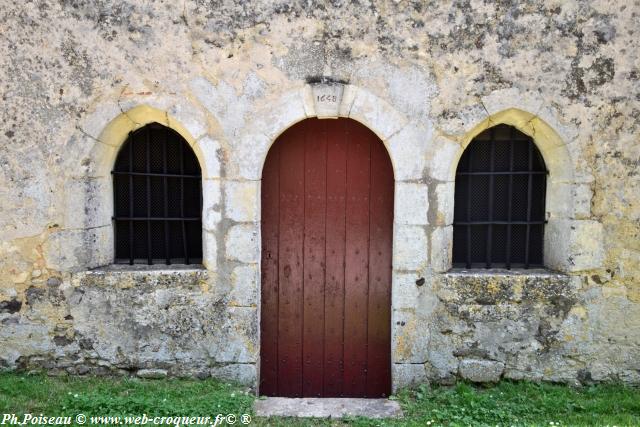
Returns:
<point x="357" y="260"/>
<point x="314" y="257"/>
<point x="380" y="238"/>
<point x="290" y="269"/>
<point x="335" y="253"/>
<point x="269" y="269"/>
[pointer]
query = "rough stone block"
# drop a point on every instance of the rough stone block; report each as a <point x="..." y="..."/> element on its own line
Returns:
<point x="211" y="204"/>
<point x="152" y="373"/>
<point x="629" y="376"/>
<point x="210" y="249"/>
<point x="410" y="248"/>
<point x="481" y="371"/>
<point x="211" y="153"/>
<point x="411" y="203"/>
<point x="510" y="331"/>
<point x="441" y="247"/>
<point x="348" y="97"/>
<point x="241" y="200"/>
<point x="273" y="118"/>
<point x="242" y="243"/>
<point x="22" y="337"/>
<point x="573" y="245"/>
<point x="411" y="334"/>
<point x="241" y="373"/>
<point x="442" y="364"/>
<point x="97" y="161"/>
<point x="245" y="286"/>
<point x="247" y="157"/>
<point x="518" y="374"/>
<point x="407" y="150"/>
<point x="88" y="203"/>
<point x="568" y="200"/>
<point x="377" y="114"/>
<point x="408" y="375"/>
<point x="442" y="159"/>
<point x="72" y="250"/>
<point x="404" y="290"/>
<point x="445" y="198"/>
<point x="235" y="339"/>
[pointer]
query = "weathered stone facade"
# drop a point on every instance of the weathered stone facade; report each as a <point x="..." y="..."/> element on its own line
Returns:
<point x="230" y="77"/>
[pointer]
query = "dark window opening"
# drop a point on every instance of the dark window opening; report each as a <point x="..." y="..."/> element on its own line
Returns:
<point x="157" y="193"/>
<point x="499" y="212"/>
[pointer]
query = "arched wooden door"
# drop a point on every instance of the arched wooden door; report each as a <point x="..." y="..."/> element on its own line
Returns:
<point x="327" y="225"/>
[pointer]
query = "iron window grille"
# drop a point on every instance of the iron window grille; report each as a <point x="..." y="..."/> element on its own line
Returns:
<point x="157" y="188"/>
<point x="499" y="212"/>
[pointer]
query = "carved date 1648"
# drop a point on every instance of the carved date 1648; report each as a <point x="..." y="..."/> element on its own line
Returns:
<point x="327" y="98"/>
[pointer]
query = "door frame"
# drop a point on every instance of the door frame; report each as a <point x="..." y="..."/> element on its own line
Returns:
<point x="410" y="243"/>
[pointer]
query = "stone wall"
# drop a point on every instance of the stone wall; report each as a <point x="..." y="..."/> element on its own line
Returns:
<point x="230" y="77"/>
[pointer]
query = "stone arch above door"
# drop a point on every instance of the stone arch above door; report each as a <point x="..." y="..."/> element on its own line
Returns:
<point x="401" y="137"/>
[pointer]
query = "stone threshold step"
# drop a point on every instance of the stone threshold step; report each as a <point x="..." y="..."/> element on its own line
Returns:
<point x="315" y="407"/>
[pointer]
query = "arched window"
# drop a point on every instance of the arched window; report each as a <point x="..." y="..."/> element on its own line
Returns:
<point x="499" y="212"/>
<point x="157" y="199"/>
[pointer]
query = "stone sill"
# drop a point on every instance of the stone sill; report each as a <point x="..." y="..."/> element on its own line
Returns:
<point x="145" y="268"/>
<point x="141" y="275"/>
<point x="501" y="286"/>
<point x="504" y="273"/>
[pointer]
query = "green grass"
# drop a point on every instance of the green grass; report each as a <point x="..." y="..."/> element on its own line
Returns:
<point x="508" y="403"/>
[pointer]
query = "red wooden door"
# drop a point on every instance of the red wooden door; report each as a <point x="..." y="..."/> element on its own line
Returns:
<point x="327" y="223"/>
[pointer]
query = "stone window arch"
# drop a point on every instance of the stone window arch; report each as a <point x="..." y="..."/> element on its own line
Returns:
<point x="86" y="238"/>
<point x="499" y="208"/>
<point x="572" y="239"/>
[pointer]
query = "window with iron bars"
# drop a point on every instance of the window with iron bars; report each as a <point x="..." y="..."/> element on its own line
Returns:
<point x="499" y="212"/>
<point x="157" y="188"/>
